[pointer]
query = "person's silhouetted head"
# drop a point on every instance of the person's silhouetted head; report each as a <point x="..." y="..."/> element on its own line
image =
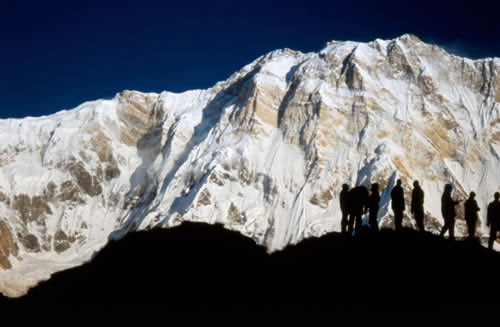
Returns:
<point x="415" y="184"/>
<point x="374" y="187"/>
<point x="399" y="182"/>
<point x="363" y="187"/>
<point x="448" y="188"/>
<point x="497" y="196"/>
<point x="345" y="187"/>
<point x="472" y="195"/>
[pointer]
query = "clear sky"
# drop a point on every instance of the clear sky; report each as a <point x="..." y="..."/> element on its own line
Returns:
<point x="55" y="55"/>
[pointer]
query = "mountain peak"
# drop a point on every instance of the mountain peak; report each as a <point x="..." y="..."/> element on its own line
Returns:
<point x="409" y="37"/>
<point x="264" y="153"/>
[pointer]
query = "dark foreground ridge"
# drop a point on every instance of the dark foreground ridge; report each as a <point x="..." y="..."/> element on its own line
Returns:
<point x="205" y="266"/>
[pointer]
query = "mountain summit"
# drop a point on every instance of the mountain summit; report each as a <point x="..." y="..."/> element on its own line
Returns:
<point x="264" y="153"/>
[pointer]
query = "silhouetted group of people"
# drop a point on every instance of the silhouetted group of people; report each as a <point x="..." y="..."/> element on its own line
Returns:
<point x="355" y="202"/>
<point x="358" y="201"/>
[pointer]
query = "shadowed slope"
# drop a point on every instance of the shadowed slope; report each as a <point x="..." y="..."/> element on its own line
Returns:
<point x="205" y="266"/>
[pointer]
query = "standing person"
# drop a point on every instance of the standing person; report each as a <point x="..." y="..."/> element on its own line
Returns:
<point x="398" y="204"/>
<point x="344" y="207"/>
<point x="358" y="204"/>
<point x="373" y="204"/>
<point x="417" y="205"/>
<point x="448" y="212"/>
<point x="493" y="219"/>
<point x="471" y="210"/>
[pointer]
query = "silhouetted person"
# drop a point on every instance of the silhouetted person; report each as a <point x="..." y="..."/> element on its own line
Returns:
<point x="373" y="205"/>
<point x="344" y="207"/>
<point x="398" y="205"/>
<point x="471" y="210"/>
<point x="417" y="205"/>
<point x="493" y="219"/>
<point x="358" y="204"/>
<point x="448" y="212"/>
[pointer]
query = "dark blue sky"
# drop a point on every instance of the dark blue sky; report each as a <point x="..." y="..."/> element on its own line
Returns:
<point x="55" y="55"/>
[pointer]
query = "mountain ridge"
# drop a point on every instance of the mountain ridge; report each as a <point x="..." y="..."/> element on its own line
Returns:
<point x="201" y="266"/>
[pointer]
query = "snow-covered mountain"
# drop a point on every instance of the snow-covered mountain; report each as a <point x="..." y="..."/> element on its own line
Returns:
<point x="264" y="153"/>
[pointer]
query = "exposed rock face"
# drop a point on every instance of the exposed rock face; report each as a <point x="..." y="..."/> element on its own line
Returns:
<point x="31" y="209"/>
<point x="264" y="153"/>
<point x="7" y="246"/>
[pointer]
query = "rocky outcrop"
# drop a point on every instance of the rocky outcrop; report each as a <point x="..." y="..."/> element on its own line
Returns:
<point x="8" y="247"/>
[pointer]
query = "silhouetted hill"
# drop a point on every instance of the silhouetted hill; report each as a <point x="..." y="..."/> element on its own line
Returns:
<point x="205" y="266"/>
